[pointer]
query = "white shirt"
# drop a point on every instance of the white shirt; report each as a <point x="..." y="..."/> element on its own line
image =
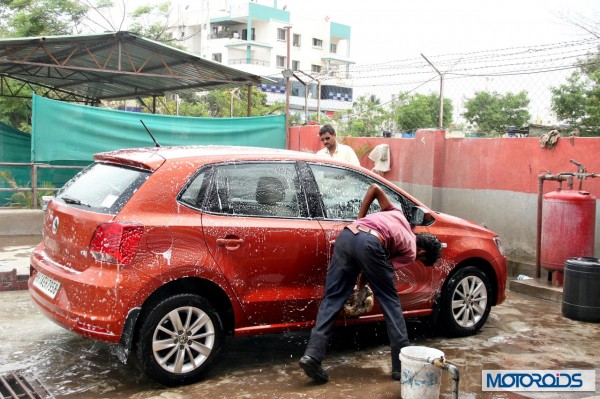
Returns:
<point x="342" y="152"/>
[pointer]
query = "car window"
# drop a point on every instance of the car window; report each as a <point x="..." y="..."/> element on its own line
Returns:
<point x="191" y="195"/>
<point x="255" y="189"/>
<point x="342" y="191"/>
<point x="102" y="188"/>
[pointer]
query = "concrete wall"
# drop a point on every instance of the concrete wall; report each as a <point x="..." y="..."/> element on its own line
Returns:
<point x="21" y="222"/>
<point x="493" y="182"/>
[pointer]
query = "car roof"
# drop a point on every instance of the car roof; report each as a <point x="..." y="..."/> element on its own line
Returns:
<point x="152" y="157"/>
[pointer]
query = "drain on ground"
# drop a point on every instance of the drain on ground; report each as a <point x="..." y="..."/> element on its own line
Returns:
<point x="14" y="385"/>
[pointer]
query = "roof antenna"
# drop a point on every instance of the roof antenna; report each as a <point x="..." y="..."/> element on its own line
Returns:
<point x="153" y="139"/>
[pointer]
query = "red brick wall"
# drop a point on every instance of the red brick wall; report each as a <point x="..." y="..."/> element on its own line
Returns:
<point x="511" y="164"/>
<point x="489" y="181"/>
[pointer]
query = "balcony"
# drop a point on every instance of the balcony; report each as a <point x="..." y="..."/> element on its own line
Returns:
<point x="252" y="61"/>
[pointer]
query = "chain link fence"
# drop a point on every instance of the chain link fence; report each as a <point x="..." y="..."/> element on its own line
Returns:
<point x="486" y="93"/>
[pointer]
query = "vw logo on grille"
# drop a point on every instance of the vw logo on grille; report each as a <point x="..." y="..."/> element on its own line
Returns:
<point x="55" y="225"/>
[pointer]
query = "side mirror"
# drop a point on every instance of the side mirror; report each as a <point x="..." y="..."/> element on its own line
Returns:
<point x="418" y="215"/>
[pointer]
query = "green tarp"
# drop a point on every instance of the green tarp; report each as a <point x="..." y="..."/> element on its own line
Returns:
<point x="15" y="146"/>
<point x="70" y="132"/>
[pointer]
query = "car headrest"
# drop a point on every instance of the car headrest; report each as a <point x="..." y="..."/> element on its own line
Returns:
<point x="269" y="190"/>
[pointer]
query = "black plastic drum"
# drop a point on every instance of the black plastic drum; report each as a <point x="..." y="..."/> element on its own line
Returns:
<point x="581" y="293"/>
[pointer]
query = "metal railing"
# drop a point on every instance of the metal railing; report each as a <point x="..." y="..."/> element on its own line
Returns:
<point x="253" y="61"/>
<point x="34" y="178"/>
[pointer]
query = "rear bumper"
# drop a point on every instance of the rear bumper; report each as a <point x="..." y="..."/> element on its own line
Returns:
<point x="92" y="303"/>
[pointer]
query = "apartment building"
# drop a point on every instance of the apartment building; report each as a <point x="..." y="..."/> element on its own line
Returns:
<point x="253" y="36"/>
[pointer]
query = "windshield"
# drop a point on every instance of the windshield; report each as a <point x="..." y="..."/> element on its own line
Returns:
<point x="102" y="188"/>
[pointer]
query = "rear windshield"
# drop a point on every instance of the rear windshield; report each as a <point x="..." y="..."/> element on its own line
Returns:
<point x="102" y="188"/>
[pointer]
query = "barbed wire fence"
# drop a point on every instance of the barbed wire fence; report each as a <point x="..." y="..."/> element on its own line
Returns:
<point x="534" y="70"/>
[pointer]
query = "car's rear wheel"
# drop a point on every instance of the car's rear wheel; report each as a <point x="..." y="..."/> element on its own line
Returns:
<point x="178" y="339"/>
<point x="465" y="302"/>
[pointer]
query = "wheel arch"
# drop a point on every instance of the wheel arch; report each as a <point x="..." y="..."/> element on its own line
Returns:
<point x="481" y="264"/>
<point x="192" y="285"/>
<point x="485" y="267"/>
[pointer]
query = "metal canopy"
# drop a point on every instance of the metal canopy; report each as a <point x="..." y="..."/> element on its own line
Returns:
<point x="110" y="66"/>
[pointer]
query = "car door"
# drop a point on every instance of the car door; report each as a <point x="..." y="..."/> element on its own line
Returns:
<point x="342" y="191"/>
<point x="257" y="228"/>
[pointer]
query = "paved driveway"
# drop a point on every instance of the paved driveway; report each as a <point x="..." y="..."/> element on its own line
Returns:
<point x="523" y="333"/>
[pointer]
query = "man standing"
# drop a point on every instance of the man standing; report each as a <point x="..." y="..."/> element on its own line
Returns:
<point x="333" y="149"/>
<point x="374" y="245"/>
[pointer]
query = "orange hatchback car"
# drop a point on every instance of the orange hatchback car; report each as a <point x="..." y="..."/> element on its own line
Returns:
<point x="167" y="250"/>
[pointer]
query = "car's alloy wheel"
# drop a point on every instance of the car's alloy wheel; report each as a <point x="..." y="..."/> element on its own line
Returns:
<point x="178" y="339"/>
<point x="466" y="302"/>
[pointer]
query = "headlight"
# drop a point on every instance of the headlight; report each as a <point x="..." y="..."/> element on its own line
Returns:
<point x="500" y="246"/>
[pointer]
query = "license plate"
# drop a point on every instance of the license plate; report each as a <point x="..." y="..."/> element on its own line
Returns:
<point x="46" y="284"/>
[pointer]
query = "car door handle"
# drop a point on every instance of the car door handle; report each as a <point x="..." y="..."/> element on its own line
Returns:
<point x="230" y="243"/>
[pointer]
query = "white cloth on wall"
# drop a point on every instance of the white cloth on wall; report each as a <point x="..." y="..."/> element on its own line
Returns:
<point x="380" y="155"/>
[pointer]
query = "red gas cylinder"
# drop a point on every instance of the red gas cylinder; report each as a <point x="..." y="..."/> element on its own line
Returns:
<point x="568" y="229"/>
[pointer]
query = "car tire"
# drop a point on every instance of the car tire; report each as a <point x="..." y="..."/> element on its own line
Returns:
<point x="465" y="302"/>
<point x="178" y="339"/>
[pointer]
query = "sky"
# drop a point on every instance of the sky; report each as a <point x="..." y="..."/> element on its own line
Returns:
<point x="384" y="32"/>
<point x="435" y="27"/>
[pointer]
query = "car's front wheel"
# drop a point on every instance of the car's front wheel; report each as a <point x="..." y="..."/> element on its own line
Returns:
<point x="178" y="339"/>
<point x="465" y="302"/>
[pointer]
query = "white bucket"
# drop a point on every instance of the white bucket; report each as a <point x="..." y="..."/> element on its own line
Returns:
<point x="420" y="379"/>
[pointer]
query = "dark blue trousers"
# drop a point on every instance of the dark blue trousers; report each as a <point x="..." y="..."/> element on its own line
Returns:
<point x="352" y="254"/>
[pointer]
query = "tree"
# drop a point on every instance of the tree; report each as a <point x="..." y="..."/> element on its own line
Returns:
<point x="577" y="102"/>
<point x="218" y="104"/>
<point x="418" y="111"/>
<point x="23" y="18"/>
<point x="151" y="21"/>
<point x="16" y="112"/>
<point x="568" y="99"/>
<point x="493" y="113"/>
<point x="366" y="117"/>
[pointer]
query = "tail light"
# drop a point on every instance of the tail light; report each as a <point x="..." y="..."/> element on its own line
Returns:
<point x="116" y="242"/>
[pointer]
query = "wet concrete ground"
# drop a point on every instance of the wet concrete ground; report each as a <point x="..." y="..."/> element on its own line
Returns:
<point x="523" y="333"/>
<point x="15" y="252"/>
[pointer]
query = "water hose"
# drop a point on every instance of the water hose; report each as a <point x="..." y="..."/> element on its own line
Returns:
<point x="440" y="363"/>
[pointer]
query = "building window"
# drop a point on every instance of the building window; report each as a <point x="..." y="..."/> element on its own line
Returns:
<point x="315" y="68"/>
<point x="318" y="43"/>
<point x="245" y="34"/>
<point x="296" y="40"/>
<point x="333" y="48"/>
<point x="217" y="57"/>
<point x="280" y="61"/>
<point x="295" y="65"/>
<point x="281" y="34"/>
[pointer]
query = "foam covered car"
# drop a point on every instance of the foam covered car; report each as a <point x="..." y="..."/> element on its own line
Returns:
<point x="166" y="251"/>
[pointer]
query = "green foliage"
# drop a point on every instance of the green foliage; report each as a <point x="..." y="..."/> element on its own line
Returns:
<point x="23" y="18"/>
<point x="220" y="104"/>
<point x="15" y="111"/>
<point x="367" y="117"/>
<point x="151" y="21"/>
<point x="295" y="119"/>
<point x="567" y="99"/>
<point x="419" y="111"/>
<point x="24" y="199"/>
<point x="493" y="113"/>
<point x="577" y="101"/>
